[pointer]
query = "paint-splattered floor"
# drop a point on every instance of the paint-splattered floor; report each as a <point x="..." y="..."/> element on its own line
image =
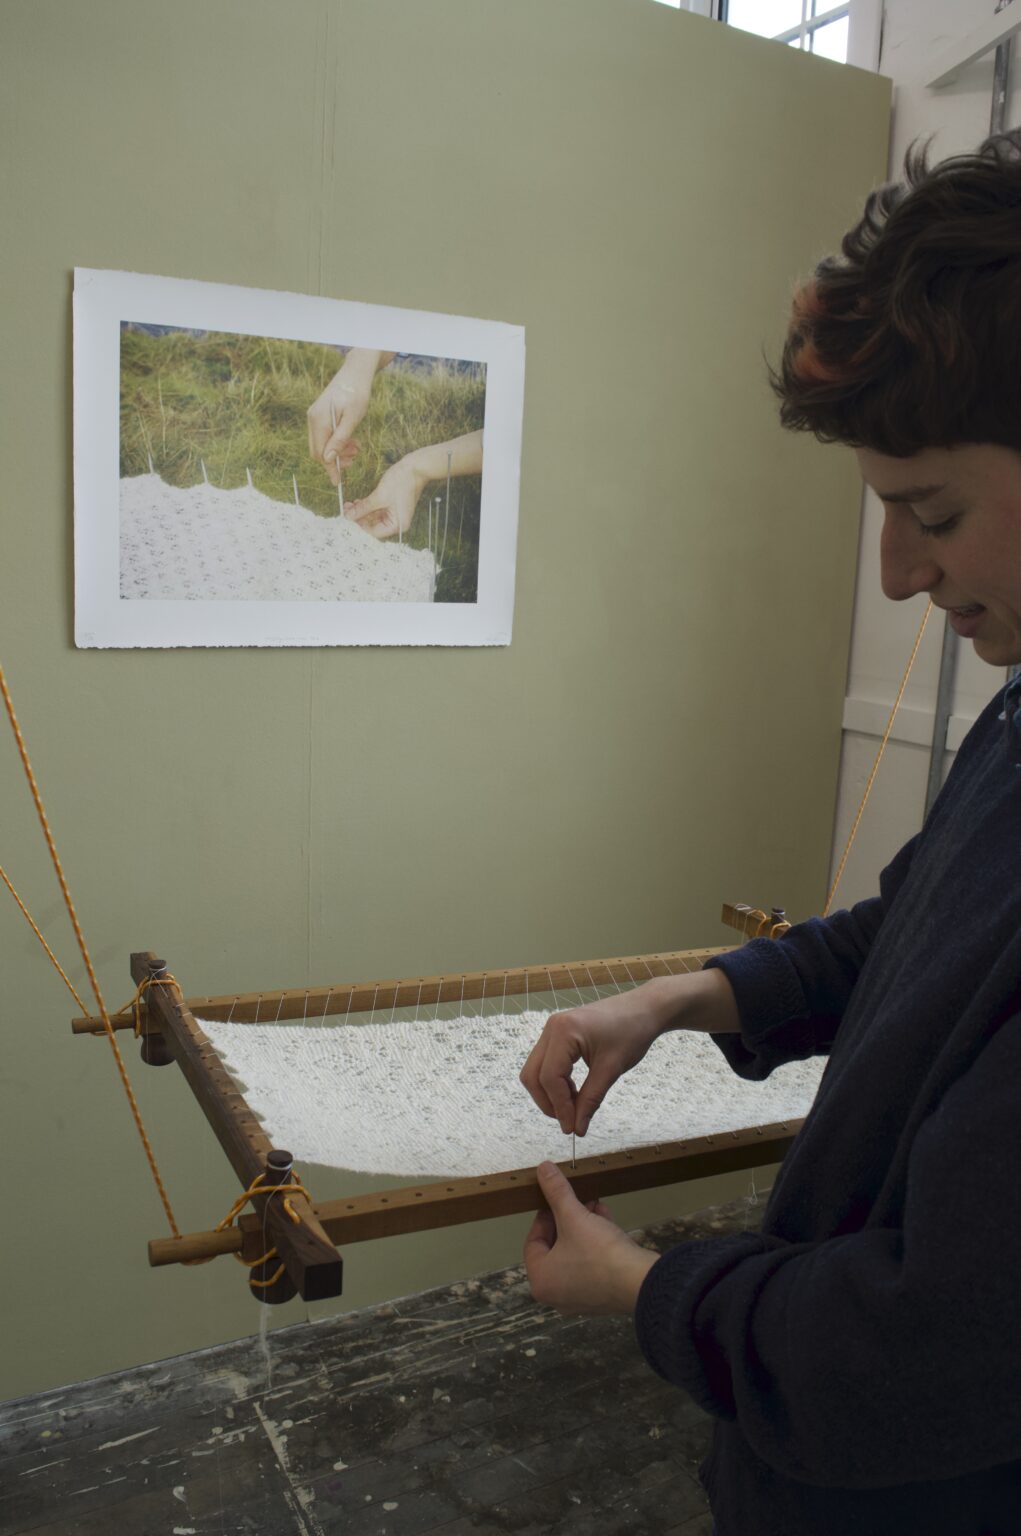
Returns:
<point x="465" y="1409"/>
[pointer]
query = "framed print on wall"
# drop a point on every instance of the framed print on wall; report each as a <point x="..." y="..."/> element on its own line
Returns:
<point x="260" y="468"/>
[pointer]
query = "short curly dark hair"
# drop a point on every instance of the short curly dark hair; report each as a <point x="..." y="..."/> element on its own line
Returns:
<point x="911" y="337"/>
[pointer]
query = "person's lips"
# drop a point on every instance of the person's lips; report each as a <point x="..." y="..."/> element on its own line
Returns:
<point x="966" y="620"/>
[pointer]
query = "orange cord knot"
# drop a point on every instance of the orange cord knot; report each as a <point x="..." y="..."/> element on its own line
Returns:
<point x="258" y="1186"/>
<point x="143" y="986"/>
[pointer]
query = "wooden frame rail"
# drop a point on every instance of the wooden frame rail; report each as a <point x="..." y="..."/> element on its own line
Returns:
<point x="450" y="1202"/>
<point x="426" y="991"/>
<point x="313" y="1266"/>
<point x="753" y="923"/>
<point x="303" y="1244"/>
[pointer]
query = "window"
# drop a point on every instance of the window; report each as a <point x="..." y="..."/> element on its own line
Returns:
<point x="819" y="26"/>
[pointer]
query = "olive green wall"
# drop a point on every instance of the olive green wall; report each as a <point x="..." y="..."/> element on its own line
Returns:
<point x="637" y="188"/>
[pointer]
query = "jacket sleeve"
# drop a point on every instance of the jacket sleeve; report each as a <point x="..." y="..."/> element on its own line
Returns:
<point x="791" y="992"/>
<point x="881" y="1356"/>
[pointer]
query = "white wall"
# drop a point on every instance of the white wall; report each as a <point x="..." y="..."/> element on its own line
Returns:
<point x="916" y="35"/>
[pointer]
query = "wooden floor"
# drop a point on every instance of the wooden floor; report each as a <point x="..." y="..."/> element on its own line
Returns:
<point x="465" y="1409"/>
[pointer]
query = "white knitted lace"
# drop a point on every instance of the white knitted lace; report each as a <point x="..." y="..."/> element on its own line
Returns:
<point x="442" y="1097"/>
<point x="203" y="542"/>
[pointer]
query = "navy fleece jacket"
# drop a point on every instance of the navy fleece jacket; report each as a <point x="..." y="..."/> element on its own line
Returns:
<point x="862" y="1353"/>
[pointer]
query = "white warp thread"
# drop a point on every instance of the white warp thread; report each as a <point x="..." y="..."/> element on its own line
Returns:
<point x="442" y="1097"/>
<point x="203" y="542"/>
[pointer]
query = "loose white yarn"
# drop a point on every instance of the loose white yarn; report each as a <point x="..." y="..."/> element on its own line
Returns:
<point x="203" y="542"/>
<point x="442" y="1097"/>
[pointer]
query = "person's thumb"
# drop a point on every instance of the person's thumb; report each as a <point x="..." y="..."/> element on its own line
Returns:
<point x="560" y="1197"/>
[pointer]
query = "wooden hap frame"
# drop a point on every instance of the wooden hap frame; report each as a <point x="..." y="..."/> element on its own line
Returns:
<point x="307" y="1247"/>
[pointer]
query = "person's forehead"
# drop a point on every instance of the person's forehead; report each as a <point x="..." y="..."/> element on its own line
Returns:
<point x="917" y="478"/>
<point x="969" y="470"/>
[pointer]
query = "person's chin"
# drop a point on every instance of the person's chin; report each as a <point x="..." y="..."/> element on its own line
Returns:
<point x="998" y="650"/>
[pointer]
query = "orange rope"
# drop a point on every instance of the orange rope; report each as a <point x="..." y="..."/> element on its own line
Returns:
<point x="143" y="987"/>
<point x="879" y="757"/>
<point x="42" y="941"/>
<point x="258" y="1187"/>
<point x="47" y="833"/>
<point x="274" y="1277"/>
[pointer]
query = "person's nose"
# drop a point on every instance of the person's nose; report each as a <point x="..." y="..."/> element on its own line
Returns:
<point x="907" y="562"/>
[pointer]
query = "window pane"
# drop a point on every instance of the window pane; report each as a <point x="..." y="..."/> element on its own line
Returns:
<point x="766" y="17"/>
<point x="830" y="42"/>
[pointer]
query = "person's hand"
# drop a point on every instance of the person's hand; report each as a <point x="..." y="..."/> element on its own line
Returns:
<point x="577" y="1259"/>
<point x="611" y="1036"/>
<point x="333" y="419"/>
<point x="391" y="506"/>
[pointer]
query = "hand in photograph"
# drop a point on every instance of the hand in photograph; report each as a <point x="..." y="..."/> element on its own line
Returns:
<point x="391" y="506"/>
<point x="334" y="417"/>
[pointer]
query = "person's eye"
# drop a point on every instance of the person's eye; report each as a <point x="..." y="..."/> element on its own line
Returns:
<point x="938" y="530"/>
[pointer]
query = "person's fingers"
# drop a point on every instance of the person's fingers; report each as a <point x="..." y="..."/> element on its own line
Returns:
<point x="529" y="1076"/>
<point x="599" y="1209"/>
<point x="591" y="1094"/>
<point x="314" y="435"/>
<point x="554" y="1076"/>
<point x="383" y="524"/>
<point x="375" y="520"/>
<point x="336" y="442"/>
<point x="542" y="1234"/>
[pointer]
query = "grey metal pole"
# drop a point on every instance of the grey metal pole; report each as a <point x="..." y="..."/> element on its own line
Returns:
<point x="997" y="124"/>
<point x="1001" y="78"/>
<point x="951" y="642"/>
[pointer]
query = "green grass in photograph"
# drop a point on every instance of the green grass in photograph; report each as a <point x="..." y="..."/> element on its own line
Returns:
<point x="238" y="403"/>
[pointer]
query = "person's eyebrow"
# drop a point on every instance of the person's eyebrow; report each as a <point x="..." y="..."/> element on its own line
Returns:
<point x="913" y="493"/>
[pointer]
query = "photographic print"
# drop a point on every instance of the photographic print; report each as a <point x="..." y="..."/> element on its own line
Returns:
<point x="289" y="470"/>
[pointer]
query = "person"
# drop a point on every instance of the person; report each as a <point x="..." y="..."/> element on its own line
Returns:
<point x="333" y="419"/>
<point x="860" y="1353"/>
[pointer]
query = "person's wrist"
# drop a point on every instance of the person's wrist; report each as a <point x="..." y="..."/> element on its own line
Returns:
<point x="672" y="1001"/>
<point x="699" y="1001"/>
<point x="635" y="1265"/>
<point x="416" y="466"/>
<point x="357" y="371"/>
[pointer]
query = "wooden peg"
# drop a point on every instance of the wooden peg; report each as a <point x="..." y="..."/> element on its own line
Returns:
<point x="279" y="1168"/>
<point x="154" y="1049"/>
